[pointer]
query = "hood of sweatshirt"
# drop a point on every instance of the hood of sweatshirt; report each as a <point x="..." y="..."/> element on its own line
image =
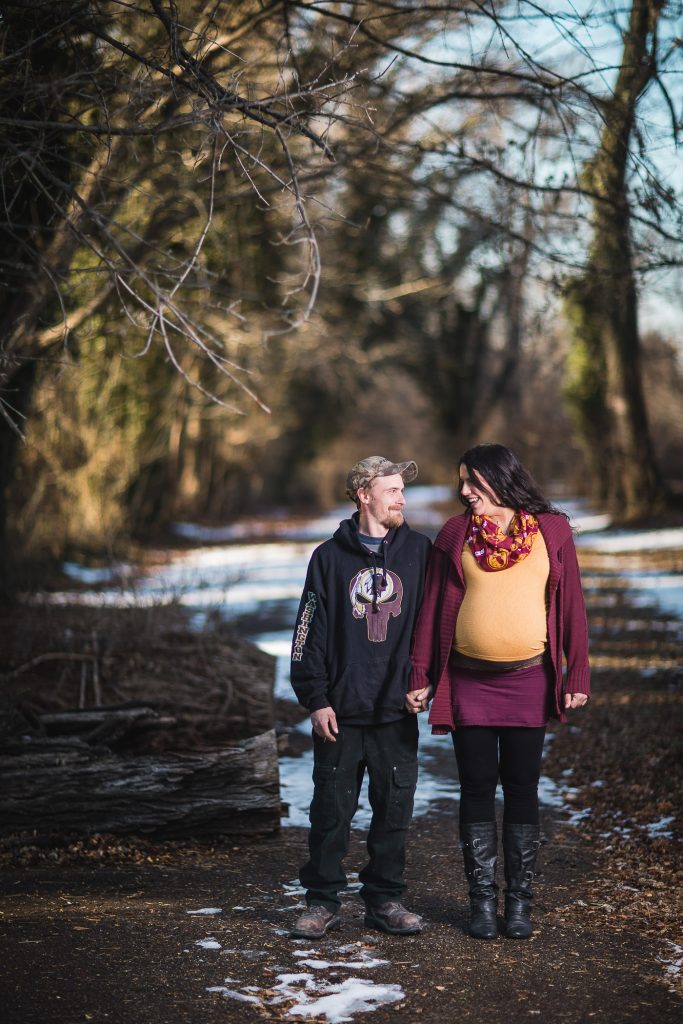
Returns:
<point x="348" y="536"/>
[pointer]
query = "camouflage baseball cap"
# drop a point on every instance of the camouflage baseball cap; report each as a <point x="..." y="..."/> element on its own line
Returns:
<point x="365" y="471"/>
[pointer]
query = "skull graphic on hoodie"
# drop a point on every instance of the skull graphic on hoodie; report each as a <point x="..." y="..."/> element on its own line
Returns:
<point x="376" y="595"/>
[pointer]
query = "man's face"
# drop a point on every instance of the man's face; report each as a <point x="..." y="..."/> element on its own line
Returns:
<point x="384" y="500"/>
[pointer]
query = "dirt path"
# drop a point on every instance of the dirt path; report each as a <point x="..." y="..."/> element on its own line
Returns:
<point x="118" y="944"/>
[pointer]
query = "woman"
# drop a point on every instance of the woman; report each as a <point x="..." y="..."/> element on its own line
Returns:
<point x="502" y="602"/>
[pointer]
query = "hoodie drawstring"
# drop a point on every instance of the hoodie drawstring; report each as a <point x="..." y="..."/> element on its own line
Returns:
<point x="382" y="549"/>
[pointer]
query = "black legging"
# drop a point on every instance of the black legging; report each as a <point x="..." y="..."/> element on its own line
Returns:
<point x="484" y="754"/>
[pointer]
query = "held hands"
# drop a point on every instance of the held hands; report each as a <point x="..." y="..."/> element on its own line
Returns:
<point x="417" y="700"/>
<point x="574" y="700"/>
<point x="324" y="723"/>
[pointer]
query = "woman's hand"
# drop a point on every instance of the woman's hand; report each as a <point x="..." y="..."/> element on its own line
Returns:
<point x="574" y="700"/>
<point x="417" y="700"/>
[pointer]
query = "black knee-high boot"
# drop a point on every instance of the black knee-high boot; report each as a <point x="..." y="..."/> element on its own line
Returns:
<point x="520" y="848"/>
<point x="479" y="842"/>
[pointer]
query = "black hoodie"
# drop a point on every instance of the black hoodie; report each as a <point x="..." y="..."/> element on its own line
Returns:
<point x="354" y="625"/>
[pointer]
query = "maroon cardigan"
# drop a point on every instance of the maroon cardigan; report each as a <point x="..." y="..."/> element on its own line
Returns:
<point x="443" y="594"/>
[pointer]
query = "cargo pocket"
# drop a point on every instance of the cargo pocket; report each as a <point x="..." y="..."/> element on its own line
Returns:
<point x="403" y="782"/>
<point x="323" y="812"/>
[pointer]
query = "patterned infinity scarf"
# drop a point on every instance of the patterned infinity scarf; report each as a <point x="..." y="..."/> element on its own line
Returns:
<point x="495" y="550"/>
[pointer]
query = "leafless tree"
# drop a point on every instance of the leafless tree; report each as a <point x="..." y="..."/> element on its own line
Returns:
<point x="100" y="102"/>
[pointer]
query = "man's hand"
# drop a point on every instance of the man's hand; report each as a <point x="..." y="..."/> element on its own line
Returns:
<point x="417" y="700"/>
<point x="574" y="700"/>
<point x="324" y="723"/>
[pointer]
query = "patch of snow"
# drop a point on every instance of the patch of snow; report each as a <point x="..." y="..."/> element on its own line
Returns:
<point x="93" y="576"/>
<point x="303" y="978"/>
<point x="588" y="523"/>
<point x="574" y="817"/>
<point x="674" y="962"/>
<point x="208" y="911"/>
<point x="633" y="540"/>
<point x="106" y="599"/>
<point x="297" y="789"/>
<point x="312" y="529"/>
<point x="419" y="501"/>
<point x="293" y="888"/>
<point x="364" y="961"/>
<point x="660" y="829"/>
<point x="230" y="993"/>
<point x="209" y="943"/>
<point x="340" y="1002"/>
<point x="236" y="579"/>
<point x="664" y="590"/>
<point x="549" y="793"/>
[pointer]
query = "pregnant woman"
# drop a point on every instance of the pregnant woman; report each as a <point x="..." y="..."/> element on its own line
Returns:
<point x="502" y="604"/>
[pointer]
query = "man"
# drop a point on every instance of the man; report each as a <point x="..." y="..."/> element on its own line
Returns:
<point x="350" y="669"/>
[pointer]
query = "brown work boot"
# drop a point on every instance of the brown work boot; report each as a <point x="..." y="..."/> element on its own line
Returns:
<point x="393" y="918"/>
<point x="314" y="922"/>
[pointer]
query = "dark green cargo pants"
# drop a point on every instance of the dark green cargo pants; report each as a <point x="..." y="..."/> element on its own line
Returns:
<point x="389" y="752"/>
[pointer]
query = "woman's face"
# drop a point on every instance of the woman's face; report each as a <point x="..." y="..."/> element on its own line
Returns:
<point x="477" y="493"/>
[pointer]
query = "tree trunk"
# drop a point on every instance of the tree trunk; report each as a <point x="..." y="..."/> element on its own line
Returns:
<point x="230" y="791"/>
<point x="604" y="387"/>
<point x="18" y="389"/>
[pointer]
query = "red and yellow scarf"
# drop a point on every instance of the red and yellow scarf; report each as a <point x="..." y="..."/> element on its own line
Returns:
<point x="495" y="550"/>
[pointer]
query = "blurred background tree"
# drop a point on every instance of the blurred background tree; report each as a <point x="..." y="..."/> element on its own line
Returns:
<point x="247" y="243"/>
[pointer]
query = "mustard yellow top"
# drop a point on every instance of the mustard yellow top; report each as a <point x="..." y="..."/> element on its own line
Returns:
<point x="503" y="614"/>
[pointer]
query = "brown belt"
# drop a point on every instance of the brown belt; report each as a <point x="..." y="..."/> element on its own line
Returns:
<point x="480" y="664"/>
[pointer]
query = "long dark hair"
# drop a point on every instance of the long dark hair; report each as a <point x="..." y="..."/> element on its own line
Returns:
<point x="501" y="470"/>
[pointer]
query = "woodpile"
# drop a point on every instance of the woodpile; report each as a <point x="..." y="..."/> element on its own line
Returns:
<point x="127" y="721"/>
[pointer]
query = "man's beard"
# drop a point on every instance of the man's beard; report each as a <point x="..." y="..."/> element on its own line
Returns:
<point x="392" y="520"/>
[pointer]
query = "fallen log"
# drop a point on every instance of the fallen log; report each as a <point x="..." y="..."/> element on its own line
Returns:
<point x="56" y="722"/>
<point x="100" y="725"/>
<point x="231" y="791"/>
